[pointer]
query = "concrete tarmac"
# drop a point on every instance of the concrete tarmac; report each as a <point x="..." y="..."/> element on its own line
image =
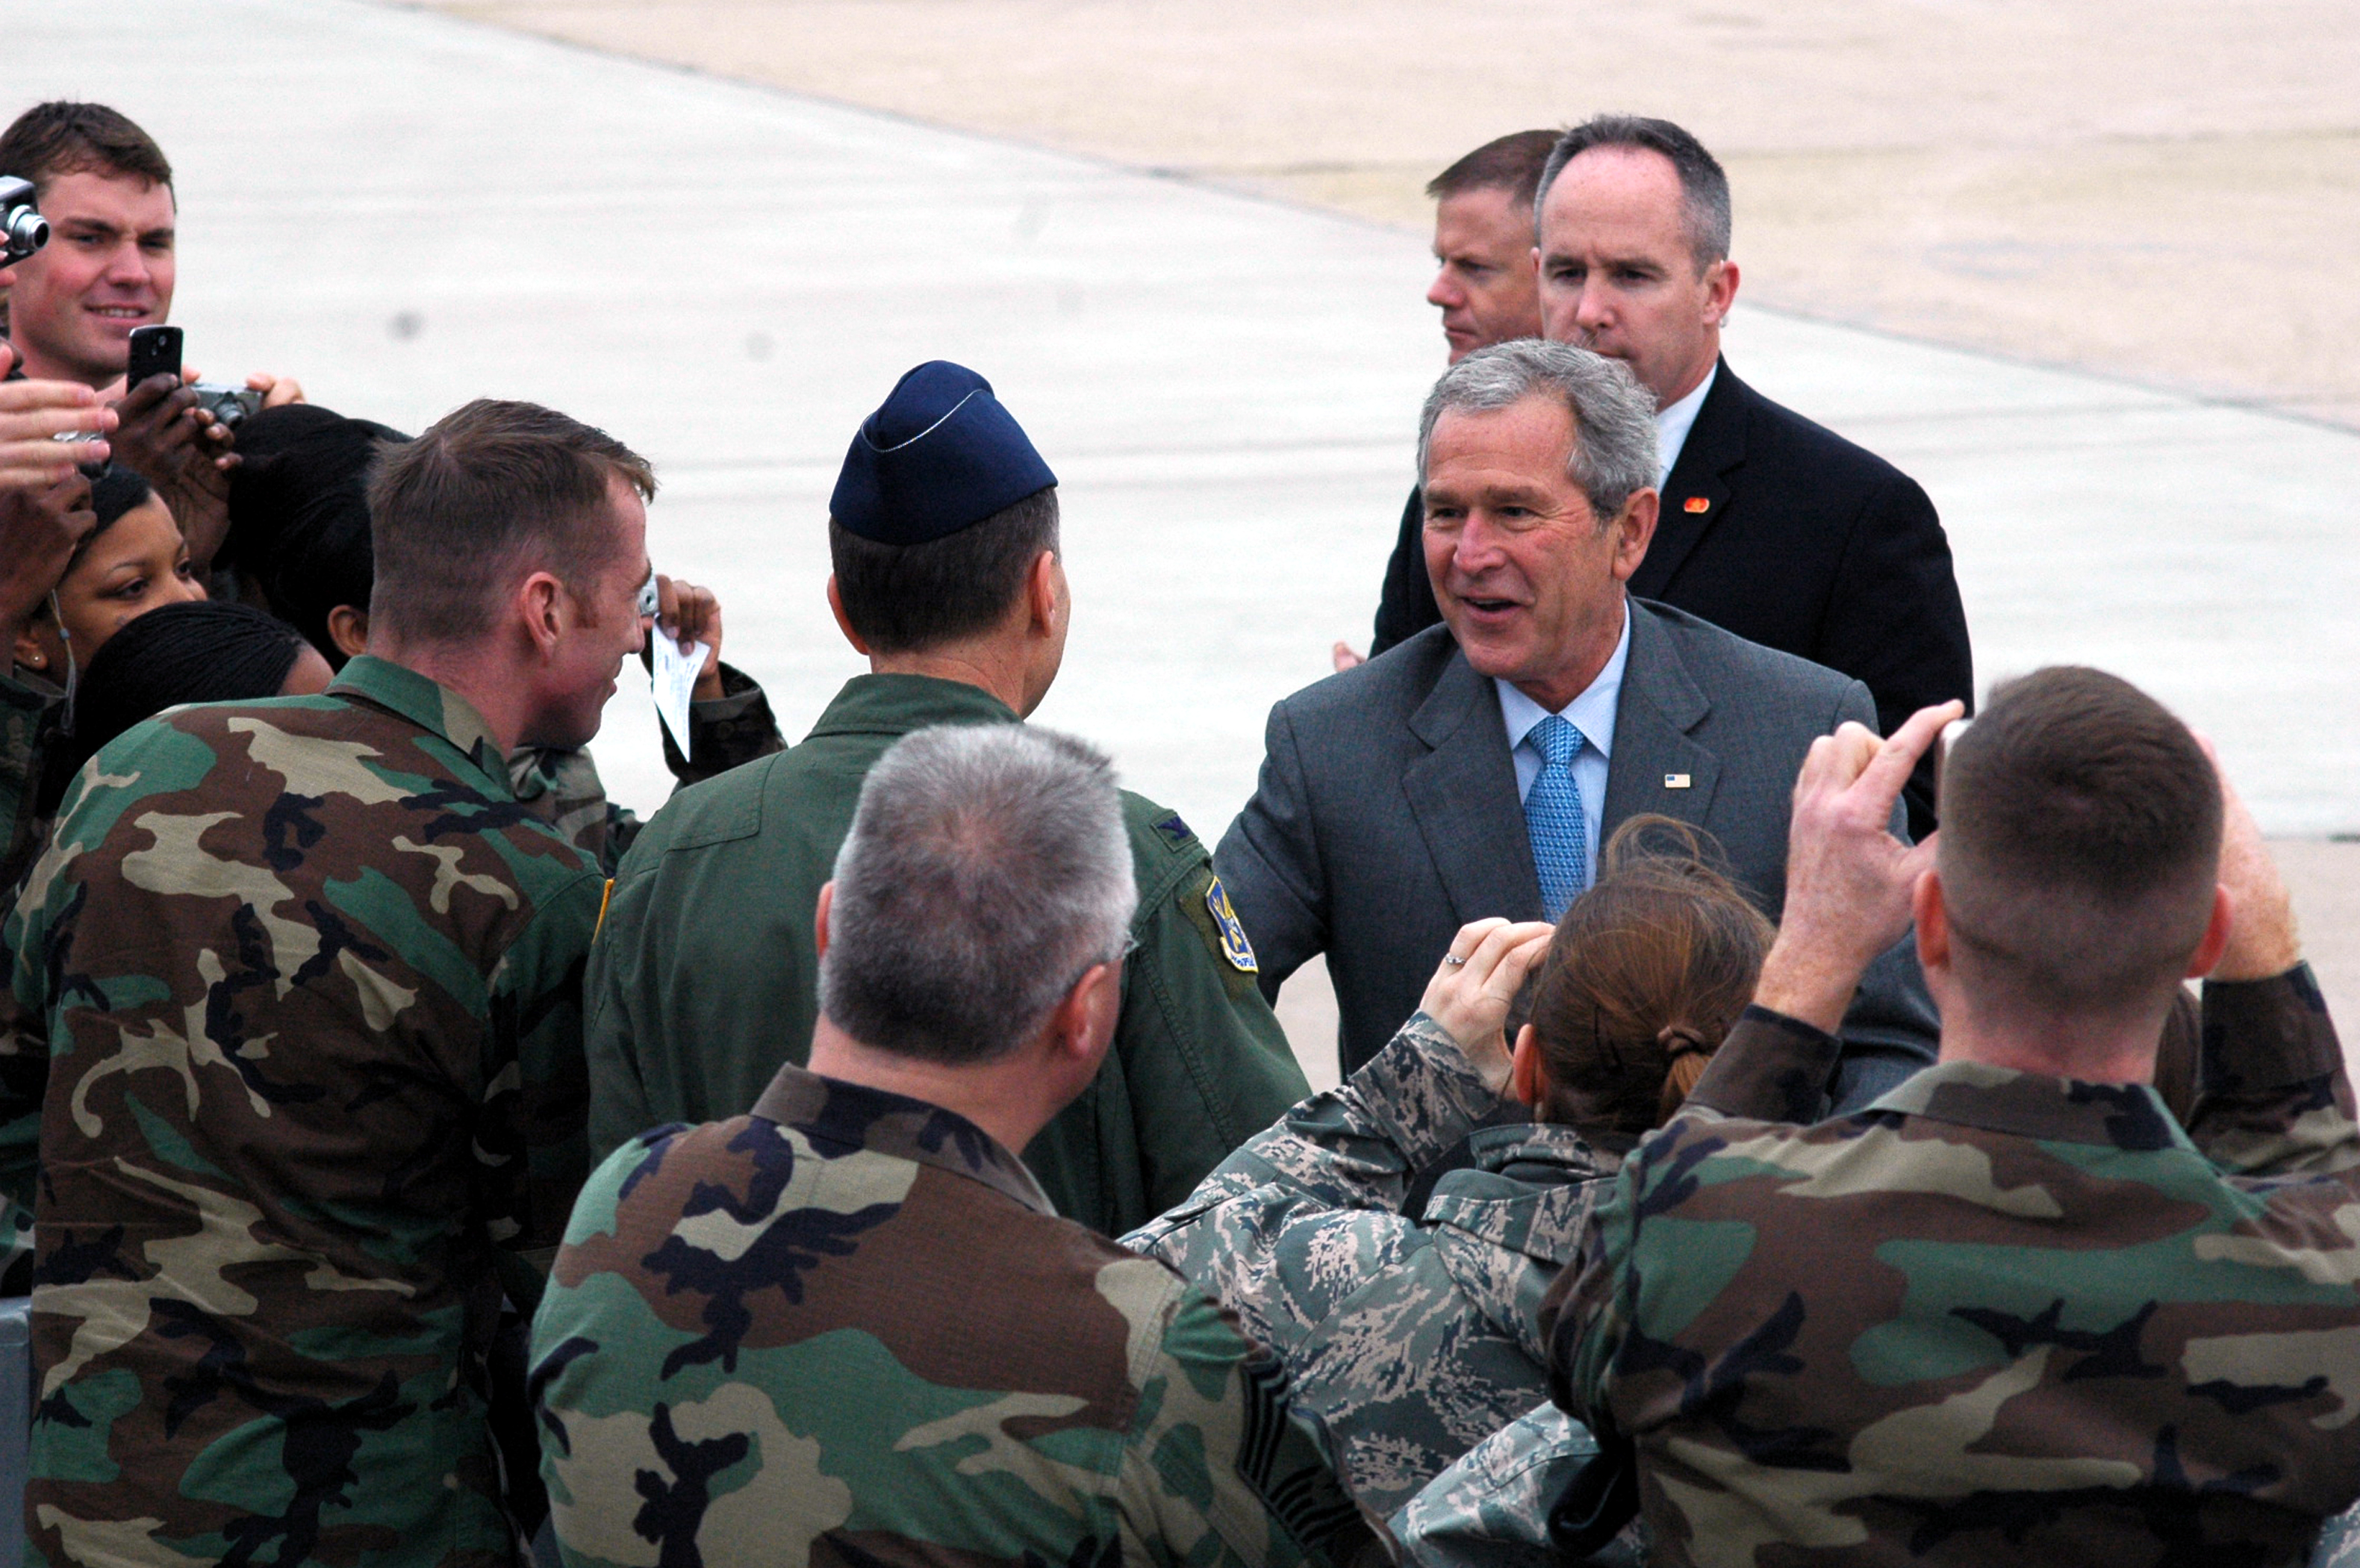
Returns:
<point x="406" y="211"/>
<point x="2170" y="192"/>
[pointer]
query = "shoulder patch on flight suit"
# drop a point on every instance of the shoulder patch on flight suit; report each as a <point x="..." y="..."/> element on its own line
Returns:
<point x="1229" y="931"/>
<point x="1174" y="831"/>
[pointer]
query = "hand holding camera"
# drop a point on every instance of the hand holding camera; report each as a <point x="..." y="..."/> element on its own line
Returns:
<point x="48" y="428"/>
<point x="172" y="434"/>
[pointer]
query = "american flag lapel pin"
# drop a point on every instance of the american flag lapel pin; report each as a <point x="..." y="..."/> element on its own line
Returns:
<point x="1675" y="781"/>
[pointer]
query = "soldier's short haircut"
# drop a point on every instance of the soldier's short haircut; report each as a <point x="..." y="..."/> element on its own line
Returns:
<point x="1613" y="417"/>
<point x="2080" y="844"/>
<point x="1512" y="163"/>
<point x="906" y="598"/>
<point x="1648" y="971"/>
<point x="1704" y="185"/>
<point x="987" y="870"/>
<point x="61" y="138"/>
<point x="490" y="491"/>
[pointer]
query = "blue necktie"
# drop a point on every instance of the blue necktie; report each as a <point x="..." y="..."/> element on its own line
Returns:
<point x="1552" y="816"/>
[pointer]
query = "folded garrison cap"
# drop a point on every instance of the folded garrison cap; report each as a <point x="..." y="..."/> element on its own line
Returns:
<point x="941" y="454"/>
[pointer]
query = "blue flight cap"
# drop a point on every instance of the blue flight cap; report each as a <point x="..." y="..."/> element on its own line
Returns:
<point x="942" y="454"/>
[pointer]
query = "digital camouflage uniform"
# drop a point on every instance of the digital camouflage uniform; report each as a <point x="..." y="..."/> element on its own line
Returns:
<point x="1490" y="1508"/>
<point x="1992" y="1316"/>
<point x="303" y="981"/>
<point x="703" y="979"/>
<point x="1411" y="1337"/>
<point x="848" y="1330"/>
<point x="561" y="785"/>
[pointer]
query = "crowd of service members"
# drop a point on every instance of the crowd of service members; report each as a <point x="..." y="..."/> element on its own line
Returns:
<point x="885" y="1152"/>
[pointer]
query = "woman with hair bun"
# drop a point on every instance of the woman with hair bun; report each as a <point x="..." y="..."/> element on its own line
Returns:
<point x="1393" y="1238"/>
<point x="1646" y="974"/>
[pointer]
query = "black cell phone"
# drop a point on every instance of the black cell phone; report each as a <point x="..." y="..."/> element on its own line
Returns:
<point x="155" y="351"/>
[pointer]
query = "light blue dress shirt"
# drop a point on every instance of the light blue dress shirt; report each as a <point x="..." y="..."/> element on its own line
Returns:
<point x="1592" y="713"/>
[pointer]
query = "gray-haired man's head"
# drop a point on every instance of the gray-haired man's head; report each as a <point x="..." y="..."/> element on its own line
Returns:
<point x="1613" y="418"/>
<point x="987" y="870"/>
<point x="1539" y="466"/>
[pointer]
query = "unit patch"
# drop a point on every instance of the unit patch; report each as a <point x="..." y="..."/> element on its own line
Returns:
<point x="1230" y="929"/>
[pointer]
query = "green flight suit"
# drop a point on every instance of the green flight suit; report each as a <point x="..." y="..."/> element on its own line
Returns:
<point x="704" y="978"/>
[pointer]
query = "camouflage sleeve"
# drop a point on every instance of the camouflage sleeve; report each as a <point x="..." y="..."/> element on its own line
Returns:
<point x="735" y="727"/>
<point x="27" y="726"/>
<point x="1587" y="1312"/>
<point x="1490" y="1508"/>
<point x="561" y="786"/>
<point x="1355" y="1147"/>
<point x="2273" y="1099"/>
<point x="1219" y="1470"/>
<point x="1771" y="1067"/>
<point x="1204" y="1060"/>
<point x="24" y="1076"/>
<point x="533" y="1127"/>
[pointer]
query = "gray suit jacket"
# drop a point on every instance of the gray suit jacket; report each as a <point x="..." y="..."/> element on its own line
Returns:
<point x="1387" y="814"/>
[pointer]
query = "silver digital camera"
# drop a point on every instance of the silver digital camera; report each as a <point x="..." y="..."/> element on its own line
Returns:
<point x="23" y="230"/>
<point x="228" y="404"/>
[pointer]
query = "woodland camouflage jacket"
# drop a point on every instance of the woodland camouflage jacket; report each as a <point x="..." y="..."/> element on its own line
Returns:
<point x="295" y="1007"/>
<point x="847" y="1331"/>
<point x="1992" y="1316"/>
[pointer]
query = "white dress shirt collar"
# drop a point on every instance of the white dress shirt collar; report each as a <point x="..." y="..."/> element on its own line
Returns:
<point x="1672" y="425"/>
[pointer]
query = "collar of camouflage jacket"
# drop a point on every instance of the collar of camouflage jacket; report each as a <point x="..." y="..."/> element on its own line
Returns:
<point x="430" y="706"/>
<point x="1529" y="1188"/>
<point x="840" y="1118"/>
<point x="2035" y="1105"/>
<point x="896" y="705"/>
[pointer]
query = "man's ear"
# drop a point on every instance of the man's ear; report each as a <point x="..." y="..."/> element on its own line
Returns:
<point x="1527" y="1077"/>
<point x="844" y="621"/>
<point x="1083" y="1023"/>
<point x="1933" y="920"/>
<point x="2216" y="935"/>
<point x="1719" y="289"/>
<point x="541" y="606"/>
<point x="819" y="919"/>
<point x="1041" y="596"/>
<point x="348" y="629"/>
<point x="1637" y="528"/>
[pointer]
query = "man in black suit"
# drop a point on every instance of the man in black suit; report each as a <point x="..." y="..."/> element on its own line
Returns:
<point x="1477" y="769"/>
<point x="1772" y="527"/>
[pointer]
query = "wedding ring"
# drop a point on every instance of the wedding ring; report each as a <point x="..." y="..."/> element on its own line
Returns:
<point x="1453" y="960"/>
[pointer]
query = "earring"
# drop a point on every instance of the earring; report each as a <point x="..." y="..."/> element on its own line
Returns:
<point x="40" y="661"/>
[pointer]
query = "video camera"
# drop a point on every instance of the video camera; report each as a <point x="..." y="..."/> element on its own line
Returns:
<point x="23" y="230"/>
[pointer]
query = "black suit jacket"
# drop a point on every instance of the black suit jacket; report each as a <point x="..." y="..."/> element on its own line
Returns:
<point x="1387" y="816"/>
<point x="1798" y="540"/>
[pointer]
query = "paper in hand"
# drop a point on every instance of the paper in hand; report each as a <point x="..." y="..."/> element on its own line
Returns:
<point x="675" y="673"/>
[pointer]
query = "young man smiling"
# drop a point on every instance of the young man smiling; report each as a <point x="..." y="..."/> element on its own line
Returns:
<point x="109" y="268"/>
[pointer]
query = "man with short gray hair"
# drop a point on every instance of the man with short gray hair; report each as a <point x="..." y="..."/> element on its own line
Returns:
<point x="1477" y="770"/>
<point x="782" y="1338"/>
